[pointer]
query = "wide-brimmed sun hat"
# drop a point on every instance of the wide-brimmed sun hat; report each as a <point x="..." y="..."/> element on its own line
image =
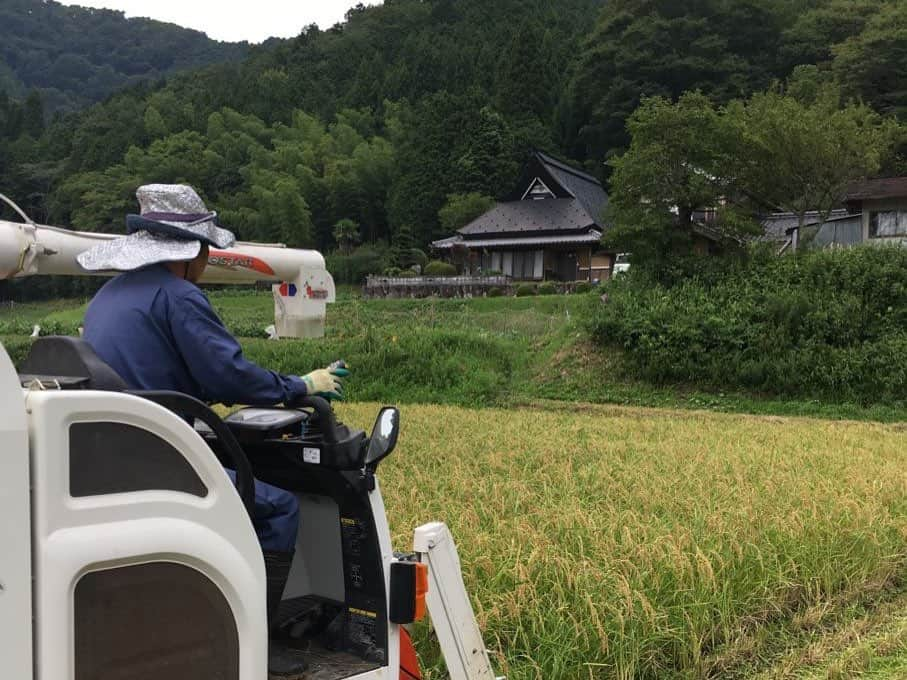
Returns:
<point x="171" y="227"/>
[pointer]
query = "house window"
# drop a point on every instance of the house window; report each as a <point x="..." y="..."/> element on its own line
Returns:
<point x="491" y="262"/>
<point x="527" y="264"/>
<point x="887" y="223"/>
<point x="519" y="264"/>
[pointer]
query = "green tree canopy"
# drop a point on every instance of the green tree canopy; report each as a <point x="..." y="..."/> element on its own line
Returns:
<point x="872" y="65"/>
<point x="461" y="209"/>
<point x="798" y="157"/>
<point x="771" y="152"/>
<point x="676" y="164"/>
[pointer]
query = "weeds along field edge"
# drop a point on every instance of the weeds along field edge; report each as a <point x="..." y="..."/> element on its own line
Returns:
<point x="640" y="543"/>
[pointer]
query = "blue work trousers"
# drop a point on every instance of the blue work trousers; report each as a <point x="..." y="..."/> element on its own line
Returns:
<point x="276" y="518"/>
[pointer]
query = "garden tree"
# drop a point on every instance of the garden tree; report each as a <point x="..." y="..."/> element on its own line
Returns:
<point x="871" y="64"/>
<point x="675" y="165"/>
<point x="797" y="156"/>
<point x="647" y="48"/>
<point x="346" y="234"/>
<point x="403" y="246"/>
<point x="461" y="209"/>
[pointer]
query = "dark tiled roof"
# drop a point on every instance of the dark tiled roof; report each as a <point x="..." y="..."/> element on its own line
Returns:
<point x="582" y="186"/>
<point x="531" y="217"/>
<point x="888" y="187"/>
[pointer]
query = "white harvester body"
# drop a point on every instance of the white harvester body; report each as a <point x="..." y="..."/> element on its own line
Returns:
<point x="127" y="551"/>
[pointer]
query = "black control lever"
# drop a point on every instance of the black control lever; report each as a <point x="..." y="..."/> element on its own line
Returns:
<point x="322" y="408"/>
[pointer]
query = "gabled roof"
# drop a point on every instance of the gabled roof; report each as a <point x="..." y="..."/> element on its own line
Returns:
<point x="531" y="218"/>
<point x="573" y="215"/>
<point x="580" y="185"/>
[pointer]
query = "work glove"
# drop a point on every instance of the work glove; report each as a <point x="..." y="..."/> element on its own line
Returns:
<point x="326" y="382"/>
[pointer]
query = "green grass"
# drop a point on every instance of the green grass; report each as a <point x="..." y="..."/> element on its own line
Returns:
<point x="479" y="352"/>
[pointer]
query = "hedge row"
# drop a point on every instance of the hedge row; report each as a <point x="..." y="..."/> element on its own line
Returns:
<point x="827" y="324"/>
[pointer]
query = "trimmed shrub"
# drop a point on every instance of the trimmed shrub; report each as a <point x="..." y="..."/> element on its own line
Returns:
<point x="494" y="291"/>
<point x="582" y="287"/>
<point x="414" y="256"/>
<point x="439" y="268"/>
<point x="547" y="288"/>
<point x="525" y="290"/>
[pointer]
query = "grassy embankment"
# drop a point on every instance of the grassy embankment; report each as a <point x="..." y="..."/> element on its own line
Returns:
<point x="501" y="351"/>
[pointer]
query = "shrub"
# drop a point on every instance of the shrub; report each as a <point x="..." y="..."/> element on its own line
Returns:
<point x="414" y="256"/>
<point x="494" y="291"/>
<point x="439" y="268"/>
<point x="825" y="324"/>
<point x="582" y="287"/>
<point x="547" y="288"/>
<point x="525" y="290"/>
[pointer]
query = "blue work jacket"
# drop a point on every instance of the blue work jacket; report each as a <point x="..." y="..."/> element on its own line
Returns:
<point x="159" y="332"/>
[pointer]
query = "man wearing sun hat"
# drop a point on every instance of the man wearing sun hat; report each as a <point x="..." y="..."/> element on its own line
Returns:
<point x="157" y="329"/>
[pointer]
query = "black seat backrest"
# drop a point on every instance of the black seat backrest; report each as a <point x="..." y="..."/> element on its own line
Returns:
<point x="71" y="361"/>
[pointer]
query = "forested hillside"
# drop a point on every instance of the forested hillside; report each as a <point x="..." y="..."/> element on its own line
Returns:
<point x="74" y="56"/>
<point x="415" y="106"/>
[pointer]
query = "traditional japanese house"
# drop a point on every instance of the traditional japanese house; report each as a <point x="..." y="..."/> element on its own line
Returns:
<point x="549" y="228"/>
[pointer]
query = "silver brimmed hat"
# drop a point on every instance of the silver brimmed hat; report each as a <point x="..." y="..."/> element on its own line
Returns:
<point x="172" y="226"/>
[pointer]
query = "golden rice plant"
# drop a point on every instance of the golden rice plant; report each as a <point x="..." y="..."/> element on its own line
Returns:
<point x="606" y="542"/>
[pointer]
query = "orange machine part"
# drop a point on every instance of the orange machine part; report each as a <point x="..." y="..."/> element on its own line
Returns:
<point x="409" y="662"/>
<point x="421" y="590"/>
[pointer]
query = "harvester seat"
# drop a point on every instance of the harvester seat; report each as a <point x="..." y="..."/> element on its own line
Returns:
<point x="69" y="363"/>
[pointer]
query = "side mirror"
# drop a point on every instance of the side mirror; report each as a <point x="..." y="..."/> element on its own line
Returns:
<point x="384" y="435"/>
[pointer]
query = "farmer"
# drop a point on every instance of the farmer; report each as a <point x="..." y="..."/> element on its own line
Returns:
<point x="156" y="328"/>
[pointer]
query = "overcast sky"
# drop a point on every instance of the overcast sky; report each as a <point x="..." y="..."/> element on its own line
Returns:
<point x="254" y="21"/>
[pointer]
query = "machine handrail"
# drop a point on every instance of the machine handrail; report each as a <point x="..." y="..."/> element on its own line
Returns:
<point x="183" y="404"/>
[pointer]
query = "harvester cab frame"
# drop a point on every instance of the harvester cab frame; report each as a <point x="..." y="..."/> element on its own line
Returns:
<point x="129" y="552"/>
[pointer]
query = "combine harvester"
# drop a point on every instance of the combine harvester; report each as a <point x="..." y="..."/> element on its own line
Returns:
<point x="127" y="551"/>
<point x="302" y="286"/>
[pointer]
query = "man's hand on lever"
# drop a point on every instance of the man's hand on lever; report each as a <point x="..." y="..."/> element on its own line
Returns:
<point x="327" y="382"/>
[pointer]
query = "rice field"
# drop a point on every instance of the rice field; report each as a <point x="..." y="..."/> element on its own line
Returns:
<point x="611" y="541"/>
<point x="608" y="542"/>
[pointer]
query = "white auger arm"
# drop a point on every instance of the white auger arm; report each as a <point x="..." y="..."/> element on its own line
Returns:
<point x="302" y="285"/>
